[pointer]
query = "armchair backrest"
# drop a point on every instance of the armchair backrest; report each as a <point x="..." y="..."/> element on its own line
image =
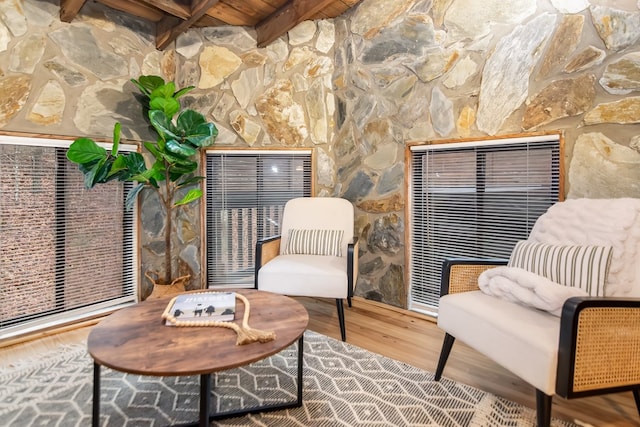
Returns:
<point x="318" y="213"/>
<point x="602" y="222"/>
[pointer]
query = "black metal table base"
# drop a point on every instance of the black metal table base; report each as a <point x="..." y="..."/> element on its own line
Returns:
<point x="205" y="398"/>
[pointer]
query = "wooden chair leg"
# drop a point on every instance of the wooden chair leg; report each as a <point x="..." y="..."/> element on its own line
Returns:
<point x="636" y="395"/>
<point x="543" y="409"/>
<point x="340" y="306"/>
<point x="444" y="355"/>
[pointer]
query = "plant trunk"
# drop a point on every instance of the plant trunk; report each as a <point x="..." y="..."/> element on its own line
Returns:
<point x="168" y="274"/>
<point x="167" y="200"/>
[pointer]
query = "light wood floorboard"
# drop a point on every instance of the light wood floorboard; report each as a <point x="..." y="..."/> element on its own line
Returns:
<point x="416" y="340"/>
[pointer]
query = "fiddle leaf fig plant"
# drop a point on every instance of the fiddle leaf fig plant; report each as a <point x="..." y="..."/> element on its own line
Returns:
<point x="175" y="155"/>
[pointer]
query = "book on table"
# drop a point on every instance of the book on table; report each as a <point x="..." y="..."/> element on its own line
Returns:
<point x="200" y="309"/>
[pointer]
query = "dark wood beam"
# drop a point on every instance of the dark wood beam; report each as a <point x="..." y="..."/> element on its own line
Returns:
<point x="288" y="17"/>
<point x="170" y="27"/>
<point x="172" y="7"/>
<point x="209" y="21"/>
<point x="135" y="8"/>
<point x="70" y="8"/>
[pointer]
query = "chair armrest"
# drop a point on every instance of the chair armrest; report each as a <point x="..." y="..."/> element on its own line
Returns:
<point x="599" y="346"/>
<point x="266" y="250"/>
<point x="461" y="274"/>
<point x="352" y="265"/>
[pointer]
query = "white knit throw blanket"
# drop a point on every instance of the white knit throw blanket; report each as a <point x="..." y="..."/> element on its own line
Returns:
<point x="602" y="222"/>
<point x="523" y="287"/>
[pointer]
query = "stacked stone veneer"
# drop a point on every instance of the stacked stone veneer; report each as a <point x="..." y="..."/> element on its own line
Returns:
<point x="357" y="88"/>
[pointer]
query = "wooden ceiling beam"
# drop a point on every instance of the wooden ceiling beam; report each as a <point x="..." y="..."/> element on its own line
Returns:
<point x="135" y="8"/>
<point x="70" y="8"/>
<point x="170" y="27"/>
<point x="230" y="15"/>
<point x="172" y="7"/>
<point x="284" y="19"/>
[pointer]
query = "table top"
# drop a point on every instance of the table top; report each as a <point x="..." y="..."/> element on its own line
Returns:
<point x="136" y="340"/>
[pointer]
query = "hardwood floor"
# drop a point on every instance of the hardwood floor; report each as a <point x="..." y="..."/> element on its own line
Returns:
<point x="416" y="340"/>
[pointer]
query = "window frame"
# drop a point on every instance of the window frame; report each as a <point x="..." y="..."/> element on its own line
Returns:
<point x="60" y="316"/>
<point x="483" y="143"/>
<point x="308" y="153"/>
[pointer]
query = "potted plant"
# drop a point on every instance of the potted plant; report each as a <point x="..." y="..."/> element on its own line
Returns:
<point x="173" y="171"/>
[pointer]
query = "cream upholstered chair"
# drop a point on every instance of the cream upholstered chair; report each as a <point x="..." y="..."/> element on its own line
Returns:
<point x="524" y="317"/>
<point x="315" y="255"/>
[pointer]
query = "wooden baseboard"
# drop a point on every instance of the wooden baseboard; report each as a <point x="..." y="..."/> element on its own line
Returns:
<point x="371" y="305"/>
<point x="32" y="336"/>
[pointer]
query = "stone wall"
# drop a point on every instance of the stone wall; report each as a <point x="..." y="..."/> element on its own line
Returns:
<point x="357" y="88"/>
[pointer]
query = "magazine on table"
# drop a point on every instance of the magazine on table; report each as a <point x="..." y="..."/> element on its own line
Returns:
<point x="200" y="309"/>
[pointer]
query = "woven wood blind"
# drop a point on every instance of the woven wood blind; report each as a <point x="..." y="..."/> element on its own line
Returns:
<point x="66" y="251"/>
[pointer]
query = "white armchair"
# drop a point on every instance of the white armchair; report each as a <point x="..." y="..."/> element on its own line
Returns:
<point x="572" y="346"/>
<point x="315" y="255"/>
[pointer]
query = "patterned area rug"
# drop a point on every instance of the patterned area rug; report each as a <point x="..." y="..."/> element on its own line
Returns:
<point x="343" y="386"/>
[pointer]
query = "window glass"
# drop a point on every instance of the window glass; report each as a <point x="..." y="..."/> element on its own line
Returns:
<point x="246" y="193"/>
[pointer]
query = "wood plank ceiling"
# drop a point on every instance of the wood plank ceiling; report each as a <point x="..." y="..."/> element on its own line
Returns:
<point x="270" y="18"/>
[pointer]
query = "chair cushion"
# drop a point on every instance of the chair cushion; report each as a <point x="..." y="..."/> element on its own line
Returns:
<point x="319" y="213"/>
<point x="305" y="275"/>
<point x="581" y="266"/>
<point x="314" y="242"/>
<point x="523" y="340"/>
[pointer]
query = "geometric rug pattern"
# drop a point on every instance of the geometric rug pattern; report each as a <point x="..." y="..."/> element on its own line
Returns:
<point x="344" y="385"/>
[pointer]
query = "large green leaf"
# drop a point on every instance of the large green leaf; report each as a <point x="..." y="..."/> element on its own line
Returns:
<point x="119" y="165"/>
<point x="85" y="150"/>
<point x="203" y="136"/>
<point x="156" y="173"/>
<point x="163" y="125"/>
<point x="170" y="106"/>
<point x="132" y="196"/>
<point x="152" y="149"/>
<point x="102" y="174"/>
<point x="92" y="174"/>
<point x="148" y="84"/>
<point x="179" y="170"/>
<point x="135" y="162"/>
<point x="174" y="147"/>
<point x="189" y="181"/>
<point x="164" y="91"/>
<point x="191" y="196"/>
<point x="183" y="91"/>
<point x="116" y="138"/>
<point x="189" y="120"/>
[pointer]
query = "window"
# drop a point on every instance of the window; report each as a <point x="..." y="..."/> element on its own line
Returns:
<point x="67" y="252"/>
<point x="246" y="193"/>
<point x="475" y="199"/>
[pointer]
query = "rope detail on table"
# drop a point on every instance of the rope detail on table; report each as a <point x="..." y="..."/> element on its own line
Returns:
<point x="246" y="334"/>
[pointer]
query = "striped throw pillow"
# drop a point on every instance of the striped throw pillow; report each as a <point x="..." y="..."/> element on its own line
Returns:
<point x="314" y="242"/>
<point x="584" y="267"/>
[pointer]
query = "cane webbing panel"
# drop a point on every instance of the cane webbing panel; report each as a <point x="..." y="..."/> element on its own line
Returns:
<point x="607" y="348"/>
<point x="464" y="277"/>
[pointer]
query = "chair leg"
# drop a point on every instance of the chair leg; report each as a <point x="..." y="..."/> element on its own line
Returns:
<point x="543" y="409"/>
<point x="444" y="354"/>
<point x="636" y="395"/>
<point x="340" y="306"/>
<point x="349" y="301"/>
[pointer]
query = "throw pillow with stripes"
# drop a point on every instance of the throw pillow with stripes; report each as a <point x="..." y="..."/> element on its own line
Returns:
<point x="314" y="242"/>
<point x="584" y="267"/>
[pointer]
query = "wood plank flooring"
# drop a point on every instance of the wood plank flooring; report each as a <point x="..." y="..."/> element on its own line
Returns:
<point x="416" y="340"/>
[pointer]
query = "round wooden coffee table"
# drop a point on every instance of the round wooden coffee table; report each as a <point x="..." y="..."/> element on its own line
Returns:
<point x="135" y="340"/>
